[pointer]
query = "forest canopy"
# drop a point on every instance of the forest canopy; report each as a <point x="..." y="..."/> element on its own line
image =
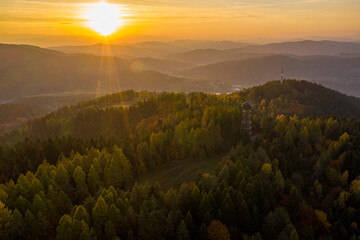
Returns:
<point x="72" y="174"/>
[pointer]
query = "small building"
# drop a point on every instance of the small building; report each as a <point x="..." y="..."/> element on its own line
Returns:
<point x="246" y="117"/>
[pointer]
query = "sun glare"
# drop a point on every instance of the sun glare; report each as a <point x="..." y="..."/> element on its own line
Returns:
<point x="103" y="17"/>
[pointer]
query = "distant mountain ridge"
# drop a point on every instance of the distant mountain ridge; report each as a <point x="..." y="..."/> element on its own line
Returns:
<point x="148" y="49"/>
<point x="27" y="70"/>
<point x="123" y="51"/>
<point x="161" y="65"/>
<point x="301" y="48"/>
<point x="177" y="66"/>
<point x="209" y="56"/>
<point x="215" y="48"/>
<point x="307" y="47"/>
<point x="250" y="72"/>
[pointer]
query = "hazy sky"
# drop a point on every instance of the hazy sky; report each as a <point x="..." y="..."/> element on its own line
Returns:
<point x="60" y="20"/>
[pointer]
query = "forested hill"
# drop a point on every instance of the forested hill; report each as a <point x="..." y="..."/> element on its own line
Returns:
<point x="106" y="116"/>
<point x="72" y="174"/>
<point x="304" y="98"/>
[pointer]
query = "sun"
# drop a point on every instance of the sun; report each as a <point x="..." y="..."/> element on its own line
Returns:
<point x="103" y="17"/>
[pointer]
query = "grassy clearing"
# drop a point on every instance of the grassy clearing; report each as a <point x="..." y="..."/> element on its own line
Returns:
<point x="173" y="174"/>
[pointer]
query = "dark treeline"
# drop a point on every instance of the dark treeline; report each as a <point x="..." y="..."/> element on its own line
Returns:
<point x="296" y="178"/>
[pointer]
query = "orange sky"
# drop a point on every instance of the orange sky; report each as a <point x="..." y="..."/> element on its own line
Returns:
<point x="60" y="22"/>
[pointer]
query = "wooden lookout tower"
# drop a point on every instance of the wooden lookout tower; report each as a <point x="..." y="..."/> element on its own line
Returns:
<point x="246" y="117"/>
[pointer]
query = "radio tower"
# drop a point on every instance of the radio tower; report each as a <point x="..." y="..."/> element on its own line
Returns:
<point x="282" y="75"/>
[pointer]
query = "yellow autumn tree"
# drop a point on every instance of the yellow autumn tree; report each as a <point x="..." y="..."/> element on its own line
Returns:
<point x="218" y="231"/>
<point x="322" y="216"/>
<point x="5" y="221"/>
